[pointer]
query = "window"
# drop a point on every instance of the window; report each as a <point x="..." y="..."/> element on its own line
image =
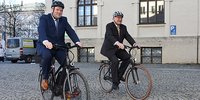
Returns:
<point x="12" y="43"/>
<point x="151" y="12"/>
<point x="87" y="13"/>
<point x="151" y="55"/>
<point x="86" y="54"/>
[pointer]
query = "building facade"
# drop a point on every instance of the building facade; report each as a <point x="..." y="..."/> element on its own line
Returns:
<point x="167" y="30"/>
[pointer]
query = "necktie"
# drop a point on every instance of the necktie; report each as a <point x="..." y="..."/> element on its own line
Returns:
<point x="118" y="29"/>
<point x="56" y="24"/>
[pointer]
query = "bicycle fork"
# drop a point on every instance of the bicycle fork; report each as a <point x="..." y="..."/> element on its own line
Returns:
<point x="134" y="72"/>
<point x="72" y="84"/>
<point x="71" y="80"/>
<point x="135" y="75"/>
<point x="107" y="75"/>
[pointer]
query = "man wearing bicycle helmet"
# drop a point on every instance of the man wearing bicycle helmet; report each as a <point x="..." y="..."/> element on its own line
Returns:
<point x="52" y="28"/>
<point x="113" y="47"/>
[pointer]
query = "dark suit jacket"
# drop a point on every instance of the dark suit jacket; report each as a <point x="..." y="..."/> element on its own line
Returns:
<point x="47" y="31"/>
<point x="111" y="36"/>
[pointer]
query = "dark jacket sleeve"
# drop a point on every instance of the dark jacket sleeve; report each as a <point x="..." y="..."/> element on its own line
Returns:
<point x="70" y="32"/>
<point x="42" y="28"/>
<point x="128" y="37"/>
<point x="109" y="34"/>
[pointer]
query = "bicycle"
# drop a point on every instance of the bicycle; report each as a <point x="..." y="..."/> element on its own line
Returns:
<point x="138" y="80"/>
<point x="74" y="84"/>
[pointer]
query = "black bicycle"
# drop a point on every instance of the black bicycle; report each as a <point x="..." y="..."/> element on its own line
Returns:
<point x="74" y="85"/>
<point x="138" y="80"/>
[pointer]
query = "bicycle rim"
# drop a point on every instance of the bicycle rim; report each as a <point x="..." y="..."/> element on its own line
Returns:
<point x="79" y="87"/>
<point x="105" y="78"/>
<point x="138" y="83"/>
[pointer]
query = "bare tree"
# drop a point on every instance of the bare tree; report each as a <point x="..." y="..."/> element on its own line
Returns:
<point x="13" y="14"/>
<point x="22" y="21"/>
<point x="37" y="13"/>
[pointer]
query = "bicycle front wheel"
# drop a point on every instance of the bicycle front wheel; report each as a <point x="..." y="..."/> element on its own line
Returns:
<point x="76" y="87"/>
<point x="138" y="82"/>
<point x="105" y="78"/>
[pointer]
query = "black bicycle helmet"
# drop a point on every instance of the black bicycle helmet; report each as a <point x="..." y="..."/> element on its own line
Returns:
<point x="57" y="4"/>
<point x="118" y="13"/>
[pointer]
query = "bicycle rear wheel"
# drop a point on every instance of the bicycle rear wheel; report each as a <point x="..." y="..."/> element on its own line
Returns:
<point x="78" y="89"/>
<point x="138" y="82"/>
<point x="46" y="94"/>
<point x="105" y="78"/>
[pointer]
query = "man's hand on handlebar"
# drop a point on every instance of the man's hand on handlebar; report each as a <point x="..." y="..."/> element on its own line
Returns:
<point x="136" y="45"/>
<point x="120" y="45"/>
<point x="79" y="44"/>
<point x="47" y="44"/>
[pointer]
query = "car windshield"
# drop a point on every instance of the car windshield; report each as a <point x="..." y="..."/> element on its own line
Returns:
<point x="12" y="43"/>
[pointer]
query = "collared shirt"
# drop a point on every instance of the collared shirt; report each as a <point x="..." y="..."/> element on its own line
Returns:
<point x="118" y="29"/>
<point x="55" y="21"/>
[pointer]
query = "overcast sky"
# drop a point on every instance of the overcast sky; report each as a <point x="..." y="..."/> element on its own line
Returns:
<point x="19" y="1"/>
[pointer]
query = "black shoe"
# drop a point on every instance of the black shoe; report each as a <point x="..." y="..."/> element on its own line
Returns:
<point x="122" y="79"/>
<point x="115" y="87"/>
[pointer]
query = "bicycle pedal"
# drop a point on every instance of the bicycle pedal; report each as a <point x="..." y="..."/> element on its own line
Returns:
<point x="75" y="94"/>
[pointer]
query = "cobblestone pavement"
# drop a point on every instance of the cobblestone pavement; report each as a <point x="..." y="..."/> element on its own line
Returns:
<point x="171" y="82"/>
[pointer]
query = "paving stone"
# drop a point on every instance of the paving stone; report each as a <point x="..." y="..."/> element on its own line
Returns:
<point x="170" y="82"/>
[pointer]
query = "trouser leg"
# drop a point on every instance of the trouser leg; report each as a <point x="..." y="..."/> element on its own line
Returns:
<point x="125" y="57"/>
<point x="114" y="68"/>
<point x="46" y="63"/>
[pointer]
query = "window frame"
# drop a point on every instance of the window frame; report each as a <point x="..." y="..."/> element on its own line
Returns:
<point x="87" y="54"/>
<point x="84" y="5"/>
<point x="151" y="56"/>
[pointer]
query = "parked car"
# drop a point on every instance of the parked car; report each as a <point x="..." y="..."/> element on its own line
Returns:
<point x="19" y="48"/>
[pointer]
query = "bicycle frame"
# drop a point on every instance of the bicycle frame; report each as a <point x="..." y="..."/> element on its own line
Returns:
<point x="133" y="64"/>
<point x="134" y="69"/>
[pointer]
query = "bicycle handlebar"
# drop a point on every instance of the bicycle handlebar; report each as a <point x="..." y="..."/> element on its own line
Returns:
<point x="66" y="46"/>
<point x="131" y="48"/>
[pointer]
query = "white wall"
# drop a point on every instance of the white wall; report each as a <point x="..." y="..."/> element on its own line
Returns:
<point x="184" y="15"/>
<point x="181" y="48"/>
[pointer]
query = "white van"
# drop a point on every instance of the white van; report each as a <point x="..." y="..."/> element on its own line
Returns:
<point x="19" y="48"/>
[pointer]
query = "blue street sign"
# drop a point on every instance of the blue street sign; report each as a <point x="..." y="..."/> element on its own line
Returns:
<point x="173" y="30"/>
